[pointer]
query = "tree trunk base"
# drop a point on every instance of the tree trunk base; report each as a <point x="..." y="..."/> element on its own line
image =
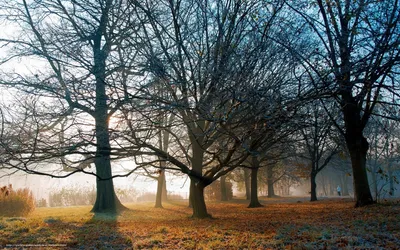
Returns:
<point x="197" y="201"/>
<point x="117" y="210"/>
<point x="363" y="203"/>
<point x="255" y="204"/>
<point x="201" y="216"/>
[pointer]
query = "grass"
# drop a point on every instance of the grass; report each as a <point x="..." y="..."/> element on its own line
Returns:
<point x="281" y="224"/>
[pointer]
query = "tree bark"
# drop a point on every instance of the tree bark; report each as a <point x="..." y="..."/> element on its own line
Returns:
<point x="164" y="194"/>
<point x="358" y="147"/>
<point x="190" y="194"/>
<point x="197" y="200"/>
<point x="224" y="193"/>
<point x="160" y="185"/>
<point x="254" y="202"/>
<point x="106" y="199"/>
<point x="313" y="176"/>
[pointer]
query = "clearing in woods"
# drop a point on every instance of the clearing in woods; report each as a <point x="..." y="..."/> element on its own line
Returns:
<point x="281" y="223"/>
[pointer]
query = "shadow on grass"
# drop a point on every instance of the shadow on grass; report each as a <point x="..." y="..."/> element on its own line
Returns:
<point x="100" y="232"/>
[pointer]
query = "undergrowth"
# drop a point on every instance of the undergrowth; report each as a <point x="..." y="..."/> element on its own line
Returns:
<point x="18" y="202"/>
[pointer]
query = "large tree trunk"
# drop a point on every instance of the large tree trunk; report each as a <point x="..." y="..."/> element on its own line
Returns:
<point x="313" y="176"/>
<point x="190" y="194"/>
<point x="106" y="199"/>
<point x="358" y="147"/>
<point x="164" y="194"/>
<point x="254" y="202"/>
<point x="247" y="183"/>
<point x="160" y="185"/>
<point x="197" y="200"/>
<point x="270" y="182"/>
<point x="224" y="192"/>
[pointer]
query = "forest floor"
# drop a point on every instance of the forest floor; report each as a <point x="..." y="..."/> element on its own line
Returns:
<point x="295" y="223"/>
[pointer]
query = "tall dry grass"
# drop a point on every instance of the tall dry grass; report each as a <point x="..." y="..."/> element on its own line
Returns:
<point x="18" y="202"/>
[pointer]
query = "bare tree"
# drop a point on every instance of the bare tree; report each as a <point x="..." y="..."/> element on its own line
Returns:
<point x="356" y="61"/>
<point x="211" y="55"/>
<point x="87" y="56"/>
<point x="320" y="142"/>
<point x="275" y="148"/>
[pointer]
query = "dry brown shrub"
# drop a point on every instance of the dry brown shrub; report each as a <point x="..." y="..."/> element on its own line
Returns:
<point x="18" y="202"/>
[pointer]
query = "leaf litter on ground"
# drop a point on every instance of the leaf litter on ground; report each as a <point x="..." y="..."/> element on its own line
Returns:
<point x="281" y="224"/>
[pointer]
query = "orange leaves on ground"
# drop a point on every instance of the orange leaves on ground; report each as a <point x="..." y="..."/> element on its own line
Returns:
<point x="281" y="223"/>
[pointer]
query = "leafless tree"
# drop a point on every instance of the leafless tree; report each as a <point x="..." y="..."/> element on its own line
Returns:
<point x="356" y="58"/>
<point x="217" y="64"/>
<point x="86" y="58"/>
<point x="320" y="142"/>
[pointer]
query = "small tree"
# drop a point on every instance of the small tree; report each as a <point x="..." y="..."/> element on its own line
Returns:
<point x="319" y="143"/>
